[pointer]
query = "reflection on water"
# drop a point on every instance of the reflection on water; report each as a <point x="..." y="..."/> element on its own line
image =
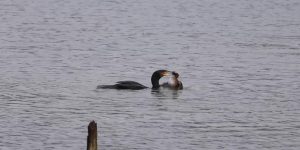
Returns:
<point x="238" y="60"/>
<point x="166" y="93"/>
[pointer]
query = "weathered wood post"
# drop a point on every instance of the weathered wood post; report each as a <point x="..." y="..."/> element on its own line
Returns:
<point x="92" y="136"/>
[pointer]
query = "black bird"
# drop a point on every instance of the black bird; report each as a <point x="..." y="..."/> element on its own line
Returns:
<point x="132" y="85"/>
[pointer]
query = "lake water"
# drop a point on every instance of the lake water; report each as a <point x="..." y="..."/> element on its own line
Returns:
<point x="239" y="62"/>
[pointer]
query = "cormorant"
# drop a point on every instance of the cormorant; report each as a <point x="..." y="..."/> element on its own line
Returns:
<point x="132" y="85"/>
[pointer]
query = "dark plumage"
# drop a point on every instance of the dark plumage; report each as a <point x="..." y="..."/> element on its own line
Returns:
<point x="124" y="85"/>
<point x="132" y="85"/>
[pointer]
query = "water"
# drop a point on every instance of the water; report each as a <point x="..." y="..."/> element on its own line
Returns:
<point x="239" y="62"/>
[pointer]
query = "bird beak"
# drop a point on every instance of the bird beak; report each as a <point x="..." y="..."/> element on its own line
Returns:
<point x="166" y="73"/>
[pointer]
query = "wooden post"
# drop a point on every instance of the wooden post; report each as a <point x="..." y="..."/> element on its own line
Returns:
<point x="92" y="136"/>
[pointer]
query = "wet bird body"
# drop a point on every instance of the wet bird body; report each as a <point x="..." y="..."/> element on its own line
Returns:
<point x="132" y="85"/>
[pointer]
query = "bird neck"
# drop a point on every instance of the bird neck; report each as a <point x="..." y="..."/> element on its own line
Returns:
<point x="155" y="81"/>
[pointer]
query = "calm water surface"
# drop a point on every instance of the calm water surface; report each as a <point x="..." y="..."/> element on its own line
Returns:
<point x="239" y="62"/>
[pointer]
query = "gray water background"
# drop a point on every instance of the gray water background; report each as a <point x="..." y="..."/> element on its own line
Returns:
<point x="239" y="62"/>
